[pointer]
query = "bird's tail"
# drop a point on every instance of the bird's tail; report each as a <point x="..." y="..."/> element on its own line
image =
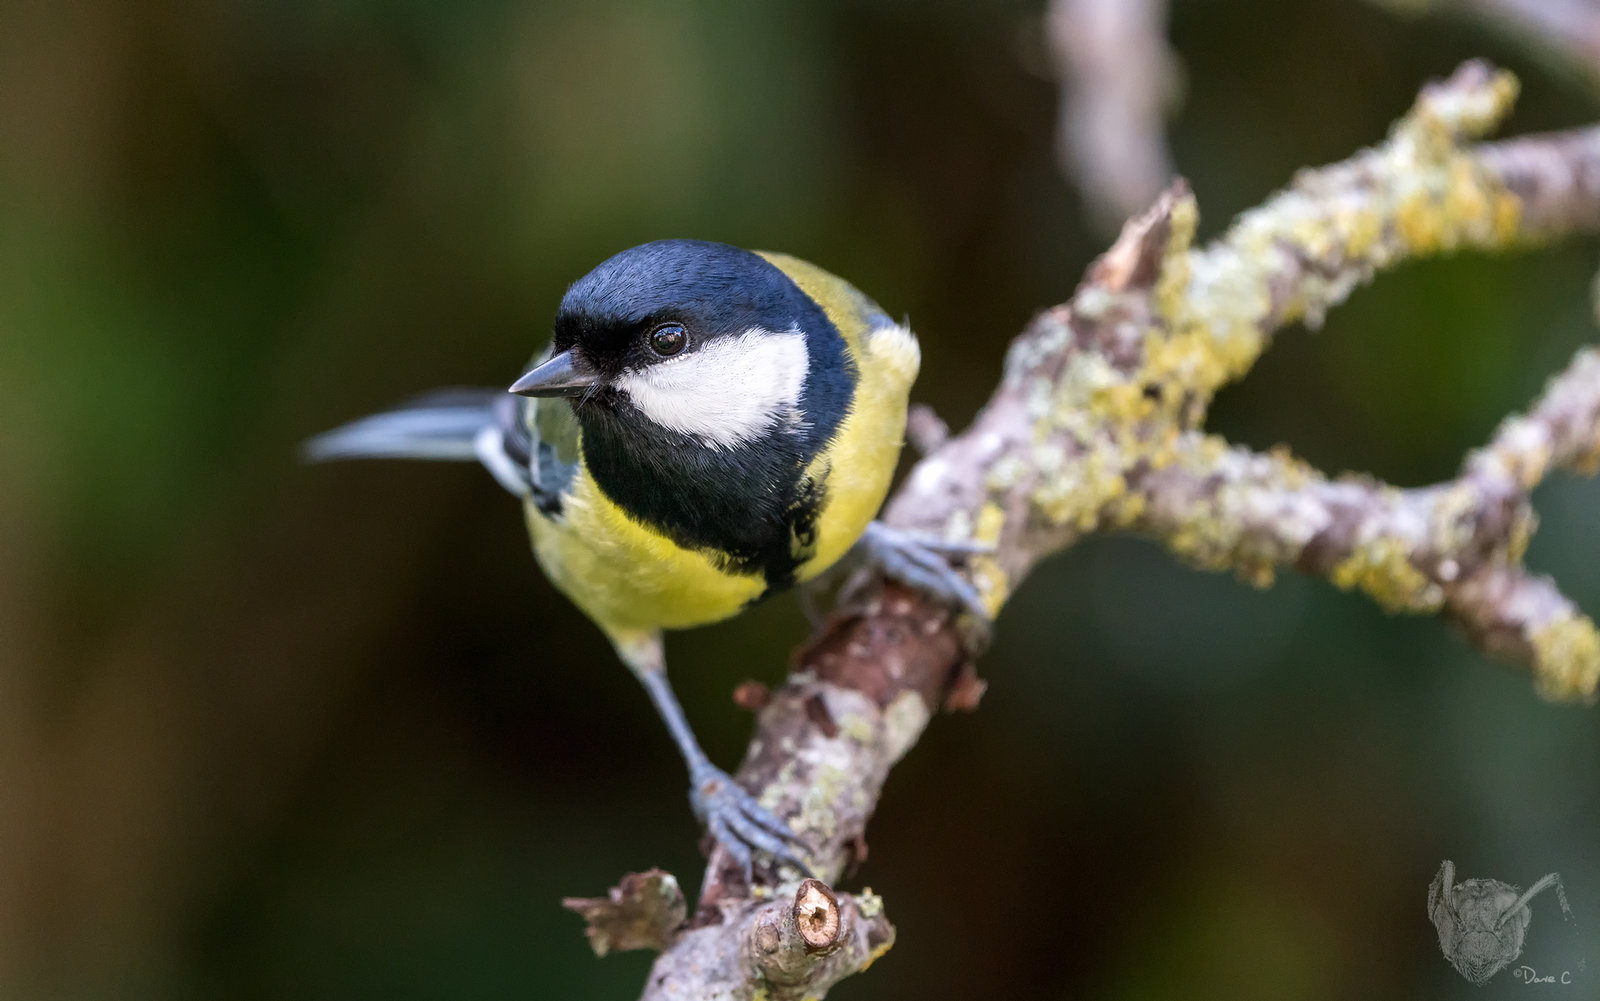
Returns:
<point x="444" y="425"/>
<point x="452" y="425"/>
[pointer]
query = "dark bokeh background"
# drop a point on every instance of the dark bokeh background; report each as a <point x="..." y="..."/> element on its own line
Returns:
<point x="269" y="731"/>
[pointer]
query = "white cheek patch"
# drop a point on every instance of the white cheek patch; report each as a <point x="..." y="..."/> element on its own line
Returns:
<point x="732" y="390"/>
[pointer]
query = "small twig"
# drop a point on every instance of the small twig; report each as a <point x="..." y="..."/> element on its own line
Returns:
<point x="644" y="912"/>
<point x="1455" y="547"/>
<point x="787" y="949"/>
<point x="1118" y="77"/>
<point x="788" y="944"/>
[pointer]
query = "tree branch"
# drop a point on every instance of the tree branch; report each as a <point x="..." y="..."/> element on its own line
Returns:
<point x="1454" y="547"/>
<point x="1096" y="425"/>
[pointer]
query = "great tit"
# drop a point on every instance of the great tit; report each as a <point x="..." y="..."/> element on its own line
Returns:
<point x="709" y="426"/>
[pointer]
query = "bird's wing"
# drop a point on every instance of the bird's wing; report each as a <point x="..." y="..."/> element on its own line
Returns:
<point x="552" y="429"/>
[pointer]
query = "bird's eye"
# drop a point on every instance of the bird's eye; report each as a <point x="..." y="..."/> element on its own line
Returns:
<point x="668" y="339"/>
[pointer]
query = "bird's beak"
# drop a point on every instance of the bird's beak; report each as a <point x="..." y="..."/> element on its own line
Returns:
<point x="562" y="375"/>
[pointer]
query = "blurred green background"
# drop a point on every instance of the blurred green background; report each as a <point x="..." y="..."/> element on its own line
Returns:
<point x="270" y="731"/>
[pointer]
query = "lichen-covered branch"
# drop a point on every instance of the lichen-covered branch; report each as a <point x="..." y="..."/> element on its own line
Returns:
<point x="1097" y="424"/>
<point x="1421" y="193"/>
<point x="1455" y="547"/>
<point x="1118" y="76"/>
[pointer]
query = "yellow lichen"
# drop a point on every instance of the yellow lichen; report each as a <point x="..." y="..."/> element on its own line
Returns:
<point x="1567" y="659"/>
<point x="1466" y="201"/>
<point x="1293" y="472"/>
<point x="958" y="525"/>
<point x="822" y="792"/>
<point x="992" y="582"/>
<point x="991" y="519"/>
<point x="1443" y="116"/>
<point x="1005" y="473"/>
<point x="1474" y="112"/>
<point x="1520" y="534"/>
<point x="1507" y="217"/>
<point x="1126" y="510"/>
<point x="1452" y="517"/>
<point x="878" y="953"/>
<point x="1362" y="231"/>
<point x="1172" y="287"/>
<point x="856" y="727"/>
<point x="868" y="904"/>
<point x="1207" y="540"/>
<point x="1078" y="494"/>
<point x="1188" y="359"/>
<point x="1418" y="223"/>
<point x="1383" y="570"/>
<point x="1454" y="204"/>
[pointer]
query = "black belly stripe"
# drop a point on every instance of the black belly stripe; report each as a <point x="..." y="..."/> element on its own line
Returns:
<point x="750" y="507"/>
<point x="802" y="518"/>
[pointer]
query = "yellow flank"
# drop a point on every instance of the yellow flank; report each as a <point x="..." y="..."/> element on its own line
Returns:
<point x="858" y="466"/>
<point x="625" y="577"/>
<point x="631" y="580"/>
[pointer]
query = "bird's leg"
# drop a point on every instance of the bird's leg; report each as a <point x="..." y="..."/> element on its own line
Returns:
<point x="732" y="816"/>
<point x="924" y="563"/>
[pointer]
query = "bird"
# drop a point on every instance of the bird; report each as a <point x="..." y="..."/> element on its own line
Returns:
<point x="709" y="426"/>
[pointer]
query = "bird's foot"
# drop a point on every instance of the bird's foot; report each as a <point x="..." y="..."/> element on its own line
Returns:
<point x="739" y="824"/>
<point x="924" y="563"/>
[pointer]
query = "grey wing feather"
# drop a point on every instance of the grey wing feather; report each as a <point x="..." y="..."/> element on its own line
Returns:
<point x="554" y="432"/>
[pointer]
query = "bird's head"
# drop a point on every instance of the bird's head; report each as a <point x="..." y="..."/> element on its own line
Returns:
<point x="693" y="341"/>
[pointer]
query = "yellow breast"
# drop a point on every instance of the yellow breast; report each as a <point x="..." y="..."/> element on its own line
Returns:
<point x="626" y="577"/>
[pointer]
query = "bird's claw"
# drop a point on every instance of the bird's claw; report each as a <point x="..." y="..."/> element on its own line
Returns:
<point x="923" y="562"/>
<point x="741" y="825"/>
